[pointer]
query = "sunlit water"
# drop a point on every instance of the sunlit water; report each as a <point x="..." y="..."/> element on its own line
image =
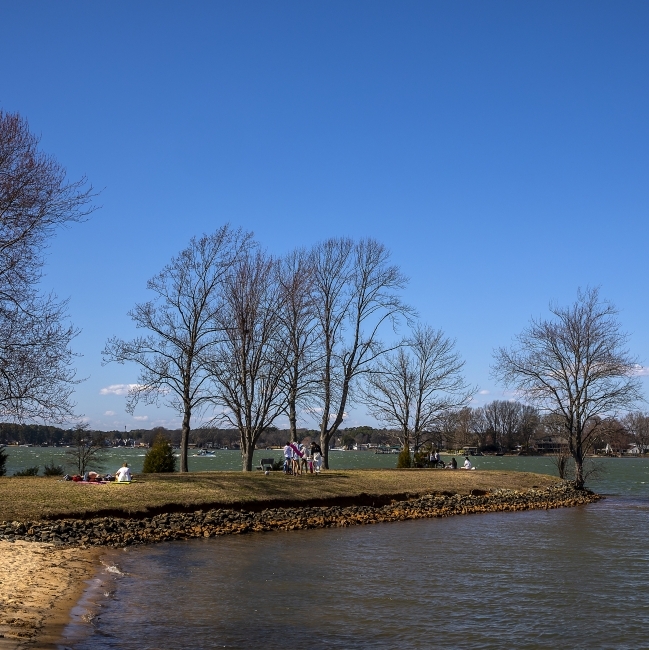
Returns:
<point x="568" y="578"/>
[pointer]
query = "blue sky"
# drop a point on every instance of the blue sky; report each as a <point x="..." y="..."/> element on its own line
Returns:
<point x="500" y="149"/>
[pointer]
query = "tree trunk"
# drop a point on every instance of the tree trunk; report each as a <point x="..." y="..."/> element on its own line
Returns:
<point x="184" y="440"/>
<point x="292" y="419"/>
<point x="247" y="454"/>
<point x="577" y="451"/>
<point x="324" y="445"/>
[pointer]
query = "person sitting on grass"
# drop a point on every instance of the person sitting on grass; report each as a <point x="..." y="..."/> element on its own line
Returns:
<point x="123" y="474"/>
<point x="467" y="463"/>
<point x="452" y="464"/>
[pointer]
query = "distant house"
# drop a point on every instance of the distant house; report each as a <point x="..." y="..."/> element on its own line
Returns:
<point x="551" y="445"/>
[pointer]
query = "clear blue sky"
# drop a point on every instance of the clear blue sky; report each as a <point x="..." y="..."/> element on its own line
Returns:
<point x="500" y="149"/>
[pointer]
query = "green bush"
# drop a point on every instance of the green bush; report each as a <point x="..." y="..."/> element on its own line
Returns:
<point x="404" y="459"/>
<point x="29" y="471"/>
<point x="160" y="458"/>
<point x="53" y="470"/>
<point x="3" y="460"/>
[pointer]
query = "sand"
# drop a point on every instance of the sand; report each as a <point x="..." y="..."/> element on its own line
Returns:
<point x="39" y="585"/>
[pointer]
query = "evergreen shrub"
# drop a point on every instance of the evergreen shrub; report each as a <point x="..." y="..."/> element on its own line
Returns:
<point x="404" y="459"/>
<point x="53" y="470"/>
<point x="160" y="458"/>
<point x="28" y="471"/>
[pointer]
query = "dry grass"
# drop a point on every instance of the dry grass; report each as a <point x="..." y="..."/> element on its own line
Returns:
<point x="23" y="499"/>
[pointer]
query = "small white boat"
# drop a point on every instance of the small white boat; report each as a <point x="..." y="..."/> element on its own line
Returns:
<point x="205" y="452"/>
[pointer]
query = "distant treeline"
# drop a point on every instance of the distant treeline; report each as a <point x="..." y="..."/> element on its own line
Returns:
<point x="38" y="434"/>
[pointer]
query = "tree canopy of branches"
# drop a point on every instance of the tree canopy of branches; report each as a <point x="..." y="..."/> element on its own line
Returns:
<point x="36" y="375"/>
<point x="85" y="450"/>
<point x="575" y="366"/>
<point x="183" y="324"/>
<point x="356" y="293"/>
<point x="637" y="424"/>
<point x="410" y="389"/>
<point x="295" y="276"/>
<point x="248" y="367"/>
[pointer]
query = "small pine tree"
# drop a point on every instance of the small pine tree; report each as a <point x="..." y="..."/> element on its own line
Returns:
<point x="404" y="459"/>
<point x="3" y="461"/>
<point x="53" y="470"/>
<point x="160" y="458"/>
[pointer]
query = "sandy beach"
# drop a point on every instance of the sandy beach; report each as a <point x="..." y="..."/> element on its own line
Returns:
<point x="39" y="584"/>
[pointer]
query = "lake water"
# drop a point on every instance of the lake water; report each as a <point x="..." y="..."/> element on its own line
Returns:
<point x="567" y="578"/>
<point x="625" y="476"/>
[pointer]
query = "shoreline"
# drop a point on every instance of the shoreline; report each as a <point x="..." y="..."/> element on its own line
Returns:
<point x="39" y="585"/>
<point x="42" y="582"/>
<point x="188" y="523"/>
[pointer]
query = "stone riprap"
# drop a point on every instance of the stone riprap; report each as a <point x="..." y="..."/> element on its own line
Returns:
<point x="123" y="531"/>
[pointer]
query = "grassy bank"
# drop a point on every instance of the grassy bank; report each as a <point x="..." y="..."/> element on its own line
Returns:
<point x="33" y="499"/>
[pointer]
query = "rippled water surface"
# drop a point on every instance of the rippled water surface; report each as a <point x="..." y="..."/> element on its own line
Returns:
<point x="569" y="578"/>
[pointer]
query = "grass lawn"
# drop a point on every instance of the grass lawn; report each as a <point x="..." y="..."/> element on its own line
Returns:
<point x="27" y="498"/>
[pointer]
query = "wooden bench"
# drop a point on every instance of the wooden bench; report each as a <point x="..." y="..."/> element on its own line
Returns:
<point x="266" y="464"/>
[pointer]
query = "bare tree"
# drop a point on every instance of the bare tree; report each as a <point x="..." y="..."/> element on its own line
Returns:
<point x="464" y="430"/>
<point x="356" y="294"/>
<point x="575" y="366"/>
<point x="503" y="421"/>
<point x="637" y="424"/>
<point x="479" y="426"/>
<point x="182" y="324"/>
<point x="37" y="379"/>
<point x="85" y="450"/>
<point x="248" y="367"/>
<point x="529" y="423"/>
<point x="36" y="375"/>
<point x="300" y="328"/>
<point x="412" y="387"/>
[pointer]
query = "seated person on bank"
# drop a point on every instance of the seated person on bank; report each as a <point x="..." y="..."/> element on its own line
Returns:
<point x="452" y="464"/>
<point x="467" y="463"/>
<point x="123" y="474"/>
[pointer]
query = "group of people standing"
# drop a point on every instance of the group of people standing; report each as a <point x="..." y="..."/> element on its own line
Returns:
<point x="298" y="459"/>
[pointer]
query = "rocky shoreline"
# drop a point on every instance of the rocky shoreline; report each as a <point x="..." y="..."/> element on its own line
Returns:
<point x="124" y="531"/>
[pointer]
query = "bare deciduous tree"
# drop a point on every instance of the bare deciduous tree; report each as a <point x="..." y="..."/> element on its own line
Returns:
<point x="357" y="293"/>
<point x="248" y="367"/>
<point x="300" y="329"/>
<point x="36" y="375"/>
<point x="637" y="424"/>
<point x="575" y="366"/>
<point x="183" y="324"/>
<point x="85" y="450"/>
<point x="503" y="422"/>
<point x="412" y="387"/>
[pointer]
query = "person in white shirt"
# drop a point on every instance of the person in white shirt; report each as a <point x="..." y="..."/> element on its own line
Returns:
<point x="288" y="457"/>
<point x="467" y="463"/>
<point x="123" y="474"/>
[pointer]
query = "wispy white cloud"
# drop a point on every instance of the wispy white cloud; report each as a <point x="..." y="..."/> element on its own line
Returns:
<point x="483" y="392"/>
<point x="141" y="418"/>
<point x="109" y="413"/>
<point x="641" y="371"/>
<point x="117" y="389"/>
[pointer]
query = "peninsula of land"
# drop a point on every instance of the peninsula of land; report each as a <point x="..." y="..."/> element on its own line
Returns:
<point x="52" y="531"/>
